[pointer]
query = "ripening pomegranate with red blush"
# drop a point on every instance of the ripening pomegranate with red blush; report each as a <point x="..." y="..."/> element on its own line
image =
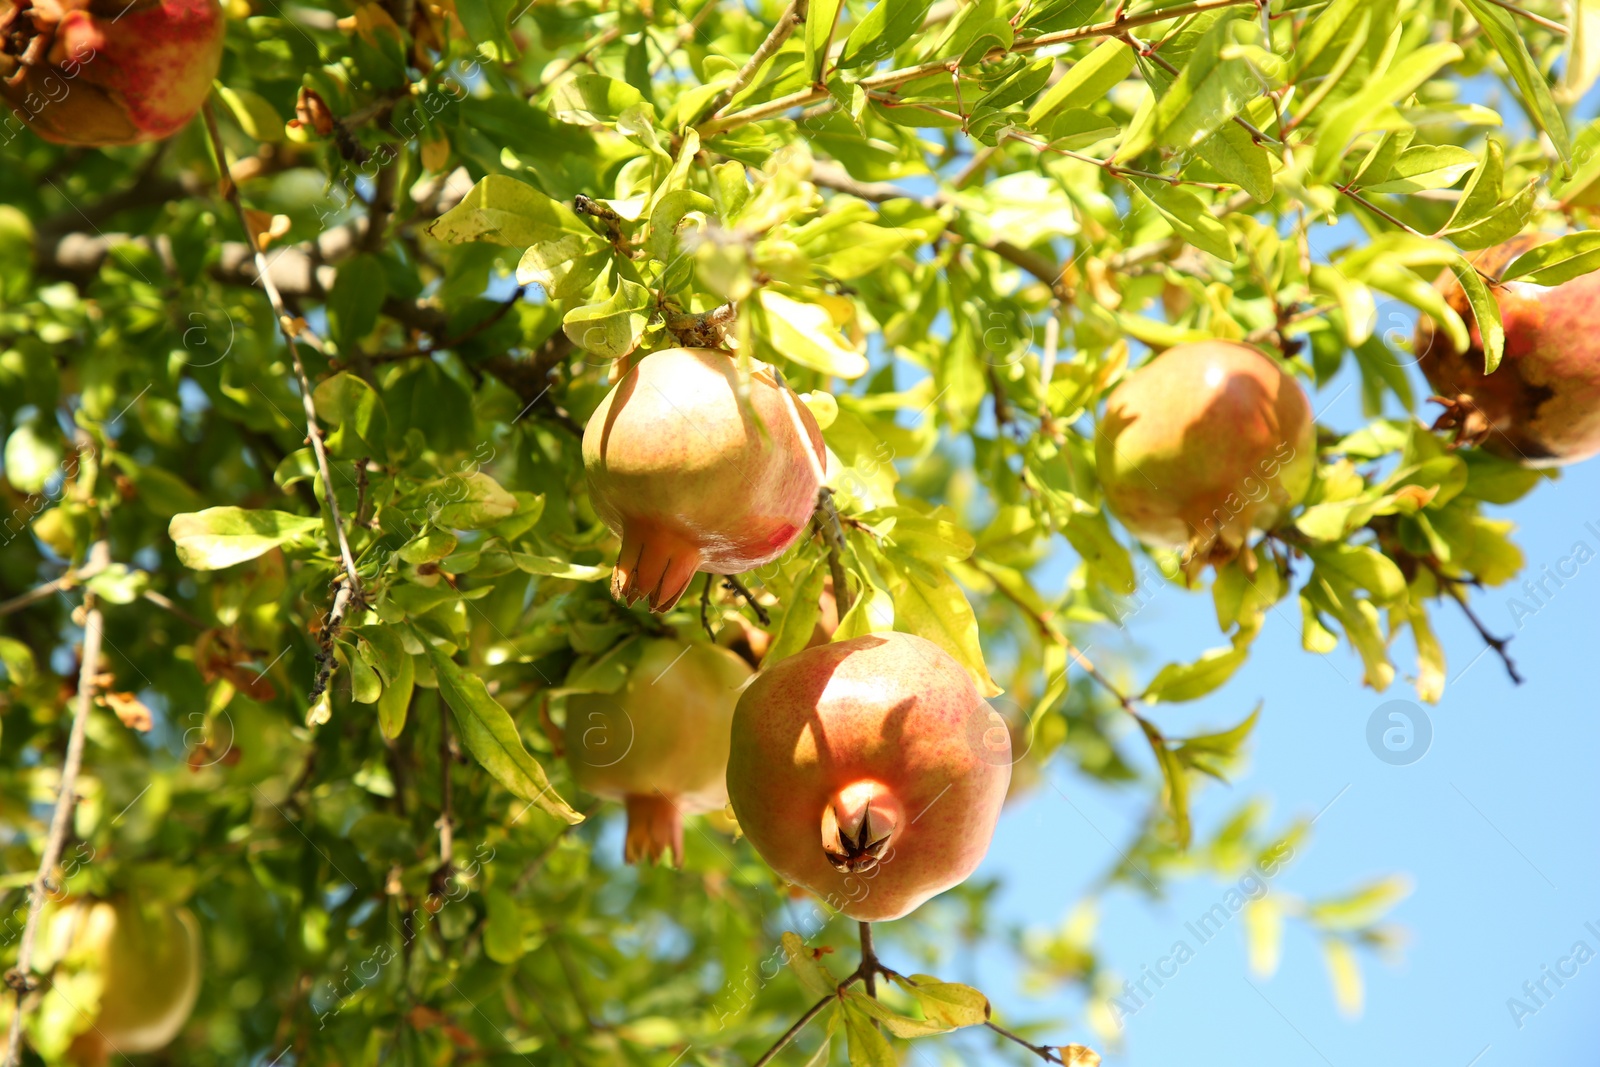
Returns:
<point x="869" y="771"/>
<point x="699" y="470"/>
<point x="1541" y="406"/>
<point x="98" y="73"/>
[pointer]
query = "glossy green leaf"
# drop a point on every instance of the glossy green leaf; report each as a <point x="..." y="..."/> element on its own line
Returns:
<point x="491" y="737"/>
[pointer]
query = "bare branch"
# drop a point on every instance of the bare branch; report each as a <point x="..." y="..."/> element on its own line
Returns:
<point x="350" y="588"/>
<point x="19" y="977"/>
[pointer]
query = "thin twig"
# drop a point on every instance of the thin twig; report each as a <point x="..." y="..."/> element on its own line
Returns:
<point x="1540" y="20"/>
<point x="833" y="533"/>
<point x="18" y="977"/>
<point x="382" y="208"/>
<point x="891" y="78"/>
<point x="56" y="585"/>
<point x="732" y="583"/>
<point x="793" y="16"/>
<point x="449" y="343"/>
<point x="446" y="823"/>
<point x="705" y="607"/>
<point x="350" y="588"/>
<point x="609" y="34"/>
<point x="1497" y="643"/>
<point x="1165" y="64"/>
<point x="799" y="1024"/>
<point x="869" y="961"/>
<point x="166" y="604"/>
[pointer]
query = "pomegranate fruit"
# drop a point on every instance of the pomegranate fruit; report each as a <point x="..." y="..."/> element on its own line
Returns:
<point x="869" y="771"/>
<point x="1203" y="444"/>
<point x="697" y="470"/>
<point x="105" y="72"/>
<point x="149" y="960"/>
<point x="660" y="744"/>
<point x="1541" y="406"/>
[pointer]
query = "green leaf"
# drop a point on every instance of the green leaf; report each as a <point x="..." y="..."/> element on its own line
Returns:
<point x="592" y="100"/>
<point x="1076" y="128"/>
<point x="1554" y="262"/>
<point x="805" y="334"/>
<point x="1504" y="33"/>
<point x="614" y="326"/>
<point x="929" y="603"/>
<point x="492" y="737"/>
<point x="887" y="26"/>
<point x="431" y="546"/>
<point x="949" y="1003"/>
<point x="395" y="703"/>
<point x="384" y="648"/>
<point x="220" y="537"/>
<point x="821" y="18"/>
<point x="505" y="211"/>
<point x="253" y="112"/>
<point x="355" y="411"/>
<point x="365" y="687"/>
<point x="803" y="611"/>
<point x="1236" y="157"/>
<point x="1209" y="91"/>
<point x="1364" y="568"/>
<point x="1485" y="313"/>
<point x="558" y="568"/>
<point x="1085" y="82"/>
<point x="1345" y="974"/>
<point x="1395" y="85"/>
<point x="1425" y="167"/>
<point x="810" y="970"/>
<point x="867" y="1047"/>
<point x="1177" y="682"/>
<point x="32" y="458"/>
<point x="901" y="1026"/>
<point x="502" y="928"/>
<point x="357" y="296"/>
<point x="1212" y="752"/>
<point x="468" y="502"/>
<point x="17" y="659"/>
<point x="1188" y="216"/>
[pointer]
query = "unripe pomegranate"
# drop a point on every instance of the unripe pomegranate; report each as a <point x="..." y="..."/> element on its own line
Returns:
<point x="149" y="959"/>
<point x="1204" y="443"/>
<point x="106" y="72"/>
<point x="869" y="771"/>
<point x="1541" y="406"/>
<point x="698" y="470"/>
<point x="660" y="744"/>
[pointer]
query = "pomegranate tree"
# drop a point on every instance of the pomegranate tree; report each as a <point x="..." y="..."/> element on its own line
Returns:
<point x="1203" y="444"/>
<point x="660" y="745"/>
<point x="699" y="469"/>
<point x="148" y="959"/>
<point x="1541" y="406"/>
<point x="869" y="771"/>
<point x="105" y="72"/>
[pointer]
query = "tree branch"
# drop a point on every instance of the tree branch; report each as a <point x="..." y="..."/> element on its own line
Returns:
<point x="799" y="1024"/>
<point x="891" y="78"/>
<point x="88" y="669"/>
<point x="93" y="566"/>
<point x="794" y="15"/>
<point x="350" y="588"/>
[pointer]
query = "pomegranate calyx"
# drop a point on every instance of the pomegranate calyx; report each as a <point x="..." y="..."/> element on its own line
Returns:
<point x="855" y="837"/>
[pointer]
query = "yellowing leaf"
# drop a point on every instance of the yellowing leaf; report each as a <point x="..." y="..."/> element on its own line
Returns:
<point x="805" y="333"/>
